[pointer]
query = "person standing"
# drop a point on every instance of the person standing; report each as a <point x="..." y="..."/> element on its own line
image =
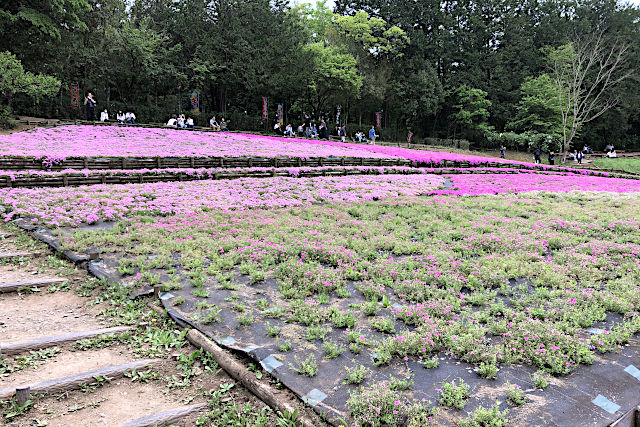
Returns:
<point x="91" y="107"/>
<point x="536" y="155"/>
<point x="579" y="157"/>
<point x="372" y="135"/>
<point x="343" y="133"/>
<point x="503" y="151"/>
<point x="552" y="158"/>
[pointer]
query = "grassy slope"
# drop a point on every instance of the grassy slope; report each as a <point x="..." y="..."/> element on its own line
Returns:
<point x="627" y="165"/>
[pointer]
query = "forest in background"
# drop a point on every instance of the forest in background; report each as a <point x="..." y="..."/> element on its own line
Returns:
<point x="482" y="70"/>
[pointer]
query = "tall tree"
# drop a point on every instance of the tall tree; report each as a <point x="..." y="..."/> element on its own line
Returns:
<point x="585" y="72"/>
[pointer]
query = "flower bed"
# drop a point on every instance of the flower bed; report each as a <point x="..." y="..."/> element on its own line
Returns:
<point x="72" y="206"/>
<point x="60" y="143"/>
<point x="54" y="145"/>
<point x="471" y="185"/>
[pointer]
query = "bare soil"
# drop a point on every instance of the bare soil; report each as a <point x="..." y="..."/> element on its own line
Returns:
<point x="45" y="314"/>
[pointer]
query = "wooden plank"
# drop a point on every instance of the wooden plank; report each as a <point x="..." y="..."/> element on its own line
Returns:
<point x="165" y="417"/>
<point x="17" y="254"/>
<point x="10" y="348"/>
<point x="14" y="286"/>
<point x="74" y="381"/>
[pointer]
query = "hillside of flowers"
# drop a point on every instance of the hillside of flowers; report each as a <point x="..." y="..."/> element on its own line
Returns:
<point x="366" y="282"/>
<point x="59" y="143"/>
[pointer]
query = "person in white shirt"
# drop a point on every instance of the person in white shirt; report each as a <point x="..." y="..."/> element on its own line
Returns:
<point x="181" y="124"/>
<point x="104" y="116"/>
<point x="121" y="117"/>
<point x="130" y="118"/>
<point x="189" y="123"/>
<point x="289" y="130"/>
<point x="213" y="123"/>
<point x="172" y="122"/>
<point x="612" y="154"/>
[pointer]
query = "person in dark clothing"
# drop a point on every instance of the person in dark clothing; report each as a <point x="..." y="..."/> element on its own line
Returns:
<point x="579" y="157"/>
<point x="552" y="158"/>
<point x="503" y="150"/>
<point x="91" y="107"/>
<point x="536" y="155"/>
<point x="307" y="122"/>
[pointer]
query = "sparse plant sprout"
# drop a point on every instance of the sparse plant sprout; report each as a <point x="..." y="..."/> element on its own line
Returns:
<point x="370" y="308"/>
<point x="384" y="324"/>
<point x="357" y="374"/>
<point x="483" y="417"/>
<point x="323" y="299"/>
<point x="317" y="332"/>
<point x="283" y="346"/>
<point x="400" y="384"/>
<point x="454" y="394"/>
<point x="487" y="370"/>
<point x="272" y="331"/>
<point x="540" y="380"/>
<point x="179" y="300"/>
<point x="307" y="367"/>
<point x="332" y="349"/>
<point x="355" y="348"/>
<point x="431" y="362"/>
<point x="245" y="319"/>
<point x="515" y="395"/>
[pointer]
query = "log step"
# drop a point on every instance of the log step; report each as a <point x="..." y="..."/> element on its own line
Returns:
<point x="14" y="286"/>
<point x="8" y="255"/>
<point x="74" y="381"/>
<point x="165" y="417"/>
<point x="10" y="348"/>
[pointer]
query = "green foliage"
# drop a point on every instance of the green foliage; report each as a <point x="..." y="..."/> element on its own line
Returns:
<point x="538" y="110"/>
<point x="471" y="109"/>
<point x="454" y="394"/>
<point x="15" y="80"/>
<point x="483" y="417"/>
<point x="307" y="367"/>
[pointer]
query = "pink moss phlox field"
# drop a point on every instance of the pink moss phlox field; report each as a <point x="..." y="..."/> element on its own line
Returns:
<point x="56" y="144"/>
<point x="88" y="204"/>
<point x="423" y="156"/>
<point x="472" y="185"/>
<point x="291" y="171"/>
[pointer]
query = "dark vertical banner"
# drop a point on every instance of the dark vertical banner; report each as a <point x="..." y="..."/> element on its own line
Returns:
<point x="194" y="99"/>
<point x="378" y="119"/>
<point x="409" y="137"/>
<point x="265" y="107"/>
<point x="75" y="96"/>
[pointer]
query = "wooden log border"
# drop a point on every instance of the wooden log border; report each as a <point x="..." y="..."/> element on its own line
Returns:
<point x="165" y="417"/>
<point x="239" y="372"/>
<point x="74" y="381"/>
<point x="14" y="286"/>
<point x="11" y="348"/>
<point x="92" y="163"/>
<point x="69" y="180"/>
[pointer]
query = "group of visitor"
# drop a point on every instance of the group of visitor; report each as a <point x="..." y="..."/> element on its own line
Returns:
<point x="611" y="151"/>
<point x="128" y="117"/>
<point x="309" y="129"/>
<point x="222" y="126"/>
<point x="180" y="121"/>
